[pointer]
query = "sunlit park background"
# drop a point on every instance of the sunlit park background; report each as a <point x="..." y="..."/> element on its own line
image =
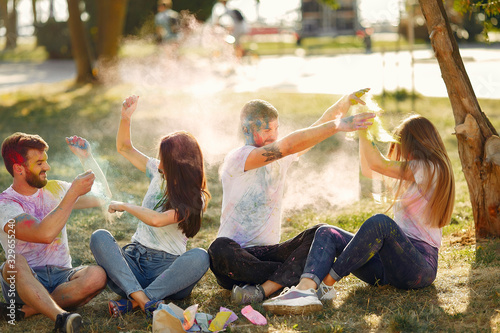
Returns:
<point x="301" y="56"/>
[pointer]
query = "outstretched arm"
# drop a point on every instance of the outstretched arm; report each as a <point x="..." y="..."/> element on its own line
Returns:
<point x="81" y="148"/>
<point x="146" y="215"/>
<point x="123" y="139"/>
<point x="30" y="229"/>
<point x="339" y="109"/>
<point x="372" y="159"/>
<point x="303" y="139"/>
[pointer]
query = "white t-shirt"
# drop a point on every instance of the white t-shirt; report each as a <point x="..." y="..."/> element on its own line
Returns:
<point x="409" y="211"/>
<point x="38" y="205"/>
<point x="169" y="238"/>
<point x="251" y="200"/>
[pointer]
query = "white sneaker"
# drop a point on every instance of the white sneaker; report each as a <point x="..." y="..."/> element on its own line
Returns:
<point x="326" y="293"/>
<point x="294" y="301"/>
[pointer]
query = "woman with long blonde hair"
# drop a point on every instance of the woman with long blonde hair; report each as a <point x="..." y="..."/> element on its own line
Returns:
<point x="403" y="251"/>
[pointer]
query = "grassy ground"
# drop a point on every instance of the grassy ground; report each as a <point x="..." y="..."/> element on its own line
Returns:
<point x="464" y="298"/>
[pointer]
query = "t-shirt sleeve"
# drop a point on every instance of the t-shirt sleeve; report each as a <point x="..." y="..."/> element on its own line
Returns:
<point x="152" y="167"/>
<point x="234" y="164"/>
<point x="8" y="210"/>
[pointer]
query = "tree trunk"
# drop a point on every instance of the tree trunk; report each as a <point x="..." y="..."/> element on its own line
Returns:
<point x="35" y="14"/>
<point x="79" y="45"/>
<point x="110" y="22"/>
<point x="473" y="129"/>
<point x="11" y="27"/>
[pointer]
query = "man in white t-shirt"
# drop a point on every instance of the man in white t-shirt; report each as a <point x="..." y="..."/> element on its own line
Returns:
<point x="37" y="276"/>
<point x="247" y="256"/>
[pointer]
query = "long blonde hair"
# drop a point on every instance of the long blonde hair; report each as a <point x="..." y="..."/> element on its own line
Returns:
<point x="419" y="140"/>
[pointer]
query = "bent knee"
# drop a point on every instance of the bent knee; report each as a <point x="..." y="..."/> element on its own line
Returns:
<point x="219" y="247"/>
<point x="99" y="237"/>
<point x="201" y="258"/>
<point x="95" y="279"/>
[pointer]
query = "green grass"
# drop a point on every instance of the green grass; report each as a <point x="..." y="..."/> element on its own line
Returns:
<point x="465" y="296"/>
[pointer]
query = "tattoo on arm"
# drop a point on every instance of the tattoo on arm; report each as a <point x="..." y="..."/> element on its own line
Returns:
<point x="272" y="153"/>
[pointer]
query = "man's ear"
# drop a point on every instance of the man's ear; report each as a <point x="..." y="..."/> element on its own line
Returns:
<point x="18" y="168"/>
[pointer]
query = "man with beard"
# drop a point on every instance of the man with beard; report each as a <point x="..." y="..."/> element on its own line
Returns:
<point x="37" y="276"/>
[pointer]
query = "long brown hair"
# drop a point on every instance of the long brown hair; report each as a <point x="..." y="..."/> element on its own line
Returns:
<point x="419" y="140"/>
<point x="186" y="186"/>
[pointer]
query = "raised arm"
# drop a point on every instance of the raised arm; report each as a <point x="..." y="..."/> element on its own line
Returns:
<point x="146" y="215"/>
<point x="372" y="159"/>
<point x="123" y="139"/>
<point x="341" y="107"/>
<point x="303" y="139"/>
<point x="101" y="192"/>
<point x="30" y="229"/>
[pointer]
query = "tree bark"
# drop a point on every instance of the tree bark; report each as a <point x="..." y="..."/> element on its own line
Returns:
<point x="11" y="27"/>
<point x="110" y="22"/>
<point x="35" y="13"/>
<point x="79" y="45"/>
<point x="473" y="127"/>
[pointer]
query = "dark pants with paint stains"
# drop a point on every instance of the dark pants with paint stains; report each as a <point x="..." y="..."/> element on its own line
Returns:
<point x="379" y="253"/>
<point x="282" y="263"/>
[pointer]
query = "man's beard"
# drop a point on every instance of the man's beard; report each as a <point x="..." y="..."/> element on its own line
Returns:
<point x="35" y="180"/>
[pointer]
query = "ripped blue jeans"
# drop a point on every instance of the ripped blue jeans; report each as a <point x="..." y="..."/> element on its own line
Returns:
<point x="379" y="254"/>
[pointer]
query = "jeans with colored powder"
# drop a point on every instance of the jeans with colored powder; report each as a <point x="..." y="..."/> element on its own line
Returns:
<point x="281" y="263"/>
<point x="379" y="254"/>
<point x="138" y="268"/>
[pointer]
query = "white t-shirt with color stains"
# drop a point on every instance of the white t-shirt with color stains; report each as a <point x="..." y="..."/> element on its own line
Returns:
<point x="38" y="205"/>
<point x="169" y="238"/>
<point x="251" y="200"/>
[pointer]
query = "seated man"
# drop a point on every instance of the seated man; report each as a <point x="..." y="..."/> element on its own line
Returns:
<point x="247" y="251"/>
<point x="37" y="276"/>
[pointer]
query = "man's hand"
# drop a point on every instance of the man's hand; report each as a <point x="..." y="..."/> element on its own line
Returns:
<point x="79" y="146"/>
<point x="83" y="183"/>
<point x="355" y="97"/>
<point x="115" y="206"/>
<point x="129" y="105"/>
<point x="357" y="122"/>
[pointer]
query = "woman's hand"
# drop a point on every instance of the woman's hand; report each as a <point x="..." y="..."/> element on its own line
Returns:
<point x="116" y="206"/>
<point x="129" y="105"/>
<point x="355" y="97"/>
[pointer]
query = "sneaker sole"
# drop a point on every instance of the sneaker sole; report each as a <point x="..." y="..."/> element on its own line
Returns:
<point x="293" y="310"/>
<point x="74" y="324"/>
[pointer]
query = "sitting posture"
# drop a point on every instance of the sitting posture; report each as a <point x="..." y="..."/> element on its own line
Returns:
<point x="247" y="256"/>
<point x="156" y="264"/>
<point x="33" y="216"/>
<point x="403" y="251"/>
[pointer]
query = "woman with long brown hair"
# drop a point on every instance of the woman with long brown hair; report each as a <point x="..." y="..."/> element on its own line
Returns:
<point x="156" y="265"/>
<point x="403" y="251"/>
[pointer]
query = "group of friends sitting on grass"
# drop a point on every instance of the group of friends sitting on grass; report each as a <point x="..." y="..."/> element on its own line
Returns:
<point x="247" y="256"/>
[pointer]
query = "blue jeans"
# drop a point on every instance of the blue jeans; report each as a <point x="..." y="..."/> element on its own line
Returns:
<point x="379" y="253"/>
<point x="138" y="268"/>
<point x="50" y="277"/>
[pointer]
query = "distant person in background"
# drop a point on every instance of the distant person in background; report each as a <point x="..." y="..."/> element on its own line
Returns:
<point x="233" y="22"/>
<point x="166" y="22"/>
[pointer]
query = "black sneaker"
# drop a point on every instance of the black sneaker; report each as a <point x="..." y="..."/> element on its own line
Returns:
<point x="11" y="311"/>
<point x="68" y="323"/>
<point x="247" y="294"/>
